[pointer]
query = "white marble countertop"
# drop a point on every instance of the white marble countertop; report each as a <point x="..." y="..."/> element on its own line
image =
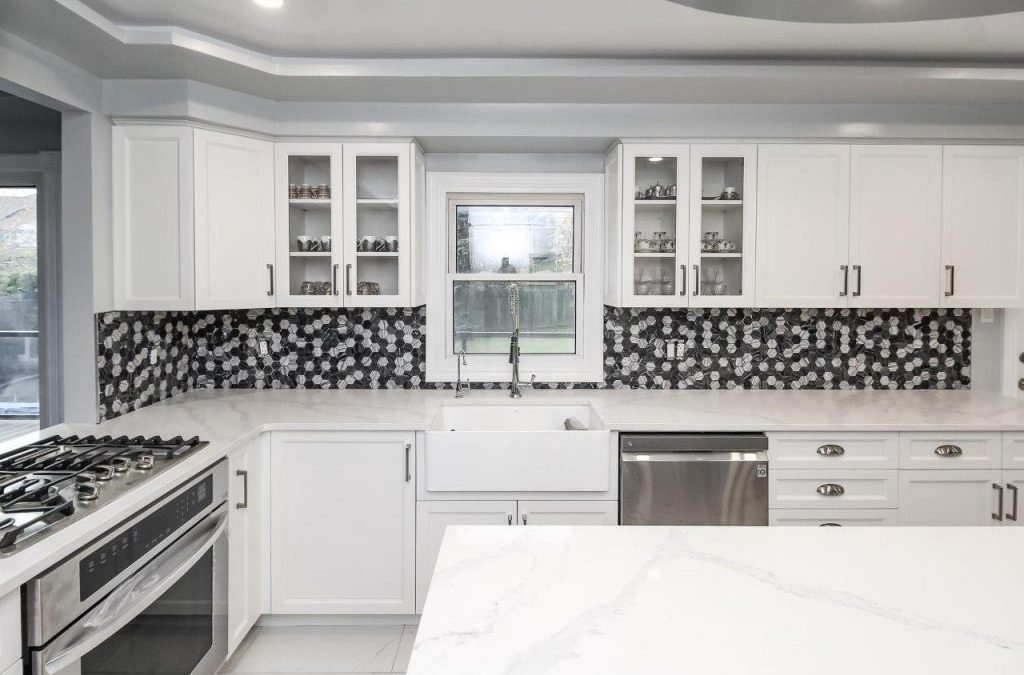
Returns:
<point x="792" y="601"/>
<point x="226" y="418"/>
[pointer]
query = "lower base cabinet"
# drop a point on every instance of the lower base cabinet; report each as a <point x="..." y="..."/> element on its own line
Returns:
<point x="949" y="497"/>
<point x="833" y="517"/>
<point x="433" y="517"/>
<point x="342" y="524"/>
<point x="245" y="540"/>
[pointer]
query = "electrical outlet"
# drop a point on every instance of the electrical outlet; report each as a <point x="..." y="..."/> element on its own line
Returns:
<point x="153" y="356"/>
<point x="262" y="348"/>
<point x="670" y="349"/>
<point x="680" y="349"/>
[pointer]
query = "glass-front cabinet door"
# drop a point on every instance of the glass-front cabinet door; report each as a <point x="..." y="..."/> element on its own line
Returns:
<point x="655" y="214"/>
<point x="309" y="224"/>
<point x="377" y="216"/>
<point x="721" y="260"/>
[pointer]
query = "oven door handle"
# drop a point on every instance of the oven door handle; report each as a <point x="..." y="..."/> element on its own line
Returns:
<point x="133" y="596"/>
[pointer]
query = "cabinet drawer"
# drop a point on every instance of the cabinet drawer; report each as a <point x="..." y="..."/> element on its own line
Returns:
<point x="839" y="489"/>
<point x="840" y="451"/>
<point x="830" y="517"/>
<point x="1013" y="450"/>
<point x="975" y="450"/>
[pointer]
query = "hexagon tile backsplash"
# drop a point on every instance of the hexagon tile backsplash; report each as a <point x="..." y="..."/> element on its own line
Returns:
<point x="145" y="357"/>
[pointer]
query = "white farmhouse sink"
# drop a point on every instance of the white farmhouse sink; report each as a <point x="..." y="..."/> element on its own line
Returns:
<point x="516" y="448"/>
<point x="497" y="417"/>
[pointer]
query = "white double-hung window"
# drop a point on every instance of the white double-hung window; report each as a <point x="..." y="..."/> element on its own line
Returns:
<point x="524" y="231"/>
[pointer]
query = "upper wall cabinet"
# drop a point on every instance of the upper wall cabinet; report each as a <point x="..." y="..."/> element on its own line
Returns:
<point x="234" y="221"/>
<point x="152" y="218"/>
<point x="895" y="219"/>
<point x="982" y="226"/>
<point x="681" y="233"/>
<point x="193" y="219"/>
<point x="803" y="195"/>
<point x="344" y="224"/>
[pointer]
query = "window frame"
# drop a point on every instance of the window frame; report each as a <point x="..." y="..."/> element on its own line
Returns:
<point x="585" y="193"/>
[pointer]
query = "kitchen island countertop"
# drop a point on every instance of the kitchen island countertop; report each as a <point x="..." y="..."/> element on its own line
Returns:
<point x="792" y="601"/>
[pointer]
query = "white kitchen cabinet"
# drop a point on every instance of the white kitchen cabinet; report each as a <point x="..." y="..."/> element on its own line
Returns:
<point x="309" y="229"/>
<point x="544" y="512"/>
<point x="245" y="539"/>
<point x="723" y="212"/>
<point x="234" y="221"/>
<point x="10" y="630"/>
<point x="377" y="179"/>
<point x="1013" y="482"/>
<point x="895" y="225"/>
<point x="16" y="669"/>
<point x="833" y="517"/>
<point x="982" y="225"/>
<point x="654" y="225"/>
<point x="1013" y="450"/>
<point x="944" y="450"/>
<point x="833" y="489"/>
<point x="342" y="523"/>
<point x="803" y="210"/>
<point x="153" y="251"/>
<point x="432" y="518"/>
<point x="943" y="497"/>
<point x="838" y="450"/>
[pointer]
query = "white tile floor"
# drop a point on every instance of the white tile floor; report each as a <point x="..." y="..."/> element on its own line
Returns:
<point x="324" y="650"/>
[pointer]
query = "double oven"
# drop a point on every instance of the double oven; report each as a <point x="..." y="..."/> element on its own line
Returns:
<point x="149" y="597"/>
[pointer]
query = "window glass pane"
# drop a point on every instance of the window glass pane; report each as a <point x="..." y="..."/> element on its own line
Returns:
<point x="19" y="315"/>
<point x="522" y="239"/>
<point x="547" y="317"/>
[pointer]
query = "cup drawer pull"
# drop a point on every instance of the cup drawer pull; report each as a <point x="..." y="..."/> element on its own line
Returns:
<point x="830" y="525"/>
<point x="831" y="450"/>
<point x="949" y="451"/>
<point x="831" y="490"/>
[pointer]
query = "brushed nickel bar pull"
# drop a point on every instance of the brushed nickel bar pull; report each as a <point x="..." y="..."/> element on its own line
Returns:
<point x="831" y="450"/>
<point x="949" y="451"/>
<point x="696" y="279"/>
<point x="509" y="516"/>
<point x="334" y="280"/>
<point x="998" y="515"/>
<point x="856" y="268"/>
<point x="846" y="280"/>
<point x="682" y="291"/>
<point x="524" y="519"/>
<point x="270" y="268"/>
<point x="831" y="490"/>
<point x="348" y="281"/>
<point x="1013" y="514"/>
<point x="952" y="280"/>
<point x="244" y="504"/>
<point x="408" y="473"/>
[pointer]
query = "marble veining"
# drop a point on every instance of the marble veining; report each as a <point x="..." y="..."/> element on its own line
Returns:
<point x="606" y="601"/>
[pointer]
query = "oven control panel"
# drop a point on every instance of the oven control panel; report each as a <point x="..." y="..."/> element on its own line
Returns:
<point x="106" y="562"/>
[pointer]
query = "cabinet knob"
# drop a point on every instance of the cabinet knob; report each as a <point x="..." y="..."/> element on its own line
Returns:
<point x="949" y="451"/>
<point x="831" y="490"/>
<point x="831" y="450"/>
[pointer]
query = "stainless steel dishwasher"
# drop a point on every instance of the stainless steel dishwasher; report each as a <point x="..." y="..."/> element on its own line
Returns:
<point x="693" y="479"/>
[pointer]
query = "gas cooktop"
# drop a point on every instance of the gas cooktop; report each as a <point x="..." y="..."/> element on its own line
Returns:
<point x="47" y="484"/>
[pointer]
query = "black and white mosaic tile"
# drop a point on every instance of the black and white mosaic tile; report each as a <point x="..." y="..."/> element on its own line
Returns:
<point x="385" y="348"/>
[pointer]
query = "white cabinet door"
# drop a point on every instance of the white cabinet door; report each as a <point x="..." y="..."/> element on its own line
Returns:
<point x="956" y="450"/>
<point x="803" y="211"/>
<point x="432" y="518"/>
<point x="377" y="180"/>
<point x="654" y="272"/>
<point x="895" y="225"/>
<point x="10" y="629"/>
<point x="1013" y="504"/>
<point x="982" y="225"/>
<point x="949" y="497"/>
<point x="342" y="523"/>
<point x="245" y="539"/>
<point x="152" y="218"/>
<point x="568" y="513"/>
<point x="234" y="221"/>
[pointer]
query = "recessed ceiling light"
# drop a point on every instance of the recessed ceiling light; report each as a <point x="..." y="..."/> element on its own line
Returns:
<point x="270" y="4"/>
<point x="856" y="11"/>
<point x="655" y="159"/>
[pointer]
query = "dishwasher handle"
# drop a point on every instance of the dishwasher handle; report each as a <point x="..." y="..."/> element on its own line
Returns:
<point x="693" y="443"/>
<point x="683" y="456"/>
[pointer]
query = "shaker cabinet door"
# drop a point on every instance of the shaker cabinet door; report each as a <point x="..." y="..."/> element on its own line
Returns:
<point x="895" y="219"/>
<point x="803" y="210"/>
<point x="982" y="226"/>
<point x="245" y="540"/>
<point x="949" y="497"/>
<point x="234" y="221"/>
